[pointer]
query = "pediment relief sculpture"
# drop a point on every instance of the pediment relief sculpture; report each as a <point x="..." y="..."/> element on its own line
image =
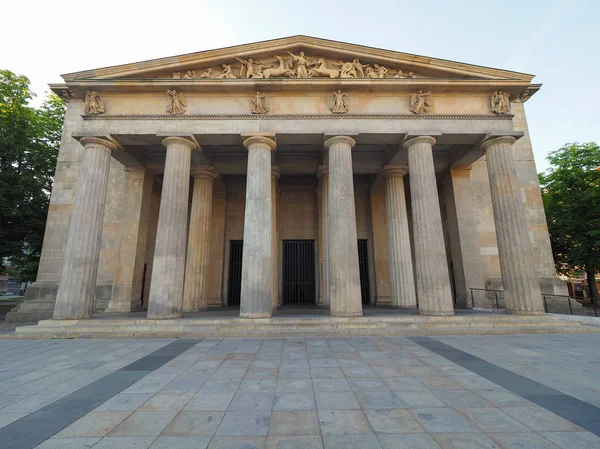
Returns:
<point x="296" y="66"/>
<point x="339" y="103"/>
<point x="500" y="102"/>
<point x="421" y="103"/>
<point x="93" y="103"/>
<point x="258" y="104"/>
<point x="177" y="103"/>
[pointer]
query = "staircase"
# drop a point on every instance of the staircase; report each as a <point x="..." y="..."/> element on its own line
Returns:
<point x="484" y="324"/>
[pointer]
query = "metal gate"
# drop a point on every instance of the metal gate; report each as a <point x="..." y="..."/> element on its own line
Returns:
<point x="363" y="267"/>
<point x="235" y="272"/>
<point x="299" y="272"/>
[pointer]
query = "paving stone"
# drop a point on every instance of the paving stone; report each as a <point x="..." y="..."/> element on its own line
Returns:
<point x="393" y="421"/>
<point x="539" y="419"/>
<point x="491" y="420"/>
<point x="8" y="418"/>
<point x="246" y="400"/>
<point x="389" y="371"/>
<point x="124" y="402"/>
<point x="221" y="384"/>
<point x="464" y="441"/>
<point x="462" y="399"/>
<point x="195" y="442"/>
<point x="246" y="423"/>
<point x="442" y="420"/>
<point x="262" y="373"/>
<point x="294" y="373"/>
<point x="68" y="443"/>
<point x="521" y="441"/>
<point x="378" y="399"/>
<point x="440" y="383"/>
<point x="502" y="398"/>
<point x="336" y="400"/>
<point x="351" y="442"/>
<point x="295" y="422"/>
<point x="407" y="441"/>
<point x="406" y="383"/>
<point x="294" y="385"/>
<point x="323" y="363"/>
<point x="573" y="440"/>
<point x="364" y="371"/>
<point x="419" y="371"/>
<point x="423" y="398"/>
<point x="331" y="385"/>
<point x="93" y="424"/>
<point x="32" y="403"/>
<point x="143" y="424"/>
<point x="295" y="442"/>
<point x="258" y="385"/>
<point x="294" y="401"/>
<point x="164" y="402"/>
<point x="340" y="422"/>
<point x="220" y="442"/>
<point x="210" y="401"/>
<point x="362" y="384"/>
<point x="124" y="443"/>
<point x="194" y="423"/>
<point x="326" y="373"/>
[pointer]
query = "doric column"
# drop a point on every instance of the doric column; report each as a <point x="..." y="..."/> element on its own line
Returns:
<point x="133" y="233"/>
<point x="275" y="232"/>
<point x="521" y="287"/>
<point x="168" y="267"/>
<point x="401" y="268"/>
<point x="344" y="277"/>
<point x="257" y="260"/>
<point x="323" y="175"/>
<point x="462" y="229"/>
<point x="195" y="296"/>
<point x="77" y="285"/>
<point x="433" y="282"/>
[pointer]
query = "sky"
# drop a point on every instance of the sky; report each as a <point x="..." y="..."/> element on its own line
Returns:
<point x="556" y="40"/>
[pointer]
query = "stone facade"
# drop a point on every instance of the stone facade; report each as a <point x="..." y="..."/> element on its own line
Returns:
<point x="278" y="143"/>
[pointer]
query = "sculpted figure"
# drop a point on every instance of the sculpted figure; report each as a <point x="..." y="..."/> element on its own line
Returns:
<point x="500" y="102"/>
<point x="370" y="73"/>
<point x="399" y="74"/>
<point x="339" y="103"/>
<point x="321" y="69"/>
<point x="420" y="103"/>
<point x="380" y="70"/>
<point x="248" y="69"/>
<point x="303" y="63"/>
<point x="278" y="71"/>
<point x="348" y="70"/>
<point x="227" y="72"/>
<point x="177" y="104"/>
<point x="258" y="104"/>
<point x="359" y="68"/>
<point x="206" y="74"/>
<point x="190" y="74"/>
<point x="93" y="103"/>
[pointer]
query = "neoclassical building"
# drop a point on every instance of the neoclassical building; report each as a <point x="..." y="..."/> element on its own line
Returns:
<point x="296" y="171"/>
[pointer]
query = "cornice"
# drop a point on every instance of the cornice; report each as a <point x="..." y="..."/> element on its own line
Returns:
<point x="423" y="117"/>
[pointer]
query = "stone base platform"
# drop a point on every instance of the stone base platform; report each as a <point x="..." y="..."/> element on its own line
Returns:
<point x="226" y="324"/>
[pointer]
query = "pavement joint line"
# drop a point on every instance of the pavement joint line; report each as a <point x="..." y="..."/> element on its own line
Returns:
<point x="572" y="409"/>
<point x="33" y="429"/>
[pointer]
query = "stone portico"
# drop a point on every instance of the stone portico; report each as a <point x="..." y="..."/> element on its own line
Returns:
<point x="257" y="177"/>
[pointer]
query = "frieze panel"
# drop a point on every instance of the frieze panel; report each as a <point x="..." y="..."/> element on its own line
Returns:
<point x="299" y="117"/>
<point x="293" y="65"/>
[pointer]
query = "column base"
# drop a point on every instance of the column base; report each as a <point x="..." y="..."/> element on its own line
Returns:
<point x="525" y="312"/>
<point x="172" y="316"/>
<point x="72" y="317"/>
<point x="256" y="315"/>
<point x="345" y="314"/>
<point x="432" y="313"/>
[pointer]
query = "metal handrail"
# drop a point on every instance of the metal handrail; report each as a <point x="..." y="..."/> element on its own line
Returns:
<point x="543" y="299"/>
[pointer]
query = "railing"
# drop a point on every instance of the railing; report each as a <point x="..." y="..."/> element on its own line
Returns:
<point x="499" y="294"/>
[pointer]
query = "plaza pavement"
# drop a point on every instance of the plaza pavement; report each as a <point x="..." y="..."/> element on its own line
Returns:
<point x="451" y="392"/>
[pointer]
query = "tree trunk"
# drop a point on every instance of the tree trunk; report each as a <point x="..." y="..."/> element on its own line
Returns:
<point x="591" y="279"/>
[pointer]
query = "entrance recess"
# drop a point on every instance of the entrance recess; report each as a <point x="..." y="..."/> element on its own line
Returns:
<point x="235" y="272"/>
<point x="363" y="268"/>
<point x="299" y="279"/>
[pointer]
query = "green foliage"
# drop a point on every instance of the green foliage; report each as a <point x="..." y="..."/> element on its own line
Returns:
<point x="571" y="193"/>
<point x="29" y="143"/>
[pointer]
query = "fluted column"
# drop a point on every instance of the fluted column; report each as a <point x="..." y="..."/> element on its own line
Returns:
<point x="133" y="232"/>
<point x="168" y="268"/>
<point x="257" y="260"/>
<point x="401" y="267"/>
<point x="433" y="282"/>
<point x="521" y="288"/>
<point x="344" y="277"/>
<point x="77" y="285"/>
<point x="195" y="295"/>
<point x="275" y="232"/>
<point x="323" y="175"/>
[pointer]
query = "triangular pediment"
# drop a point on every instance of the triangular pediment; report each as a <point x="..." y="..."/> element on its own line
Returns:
<point x="281" y="58"/>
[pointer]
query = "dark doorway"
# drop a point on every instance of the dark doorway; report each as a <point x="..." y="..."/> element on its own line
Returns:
<point x="363" y="268"/>
<point x="299" y="272"/>
<point x="234" y="289"/>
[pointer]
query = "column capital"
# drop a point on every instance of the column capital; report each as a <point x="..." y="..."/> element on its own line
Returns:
<point x="259" y="141"/>
<point x="391" y="170"/>
<point x="174" y="140"/>
<point x="98" y="142"/>
<point x="339" y="139"/>
<point x="323" y="171"/>
<point x="419" y="139"/>
<point x="497" y="140"/>
<point x="460" y="171"/>
<point x="205" y="172"/>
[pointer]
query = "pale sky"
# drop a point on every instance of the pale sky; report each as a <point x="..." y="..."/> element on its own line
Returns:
<point x="556" y="40"/>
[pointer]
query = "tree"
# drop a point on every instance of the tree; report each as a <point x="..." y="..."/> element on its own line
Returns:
<point x="571" y="194"/>
<point x="29" y="143"/>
